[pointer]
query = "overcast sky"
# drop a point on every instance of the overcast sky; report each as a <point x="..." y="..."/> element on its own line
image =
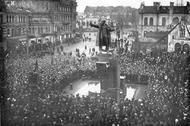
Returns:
<point x="133" y="3"/>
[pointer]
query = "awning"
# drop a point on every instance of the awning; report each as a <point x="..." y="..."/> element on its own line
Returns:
<point x="31" y="36"/>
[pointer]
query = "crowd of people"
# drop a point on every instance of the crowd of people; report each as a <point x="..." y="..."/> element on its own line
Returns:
<point x="35" y="92"/>
<point x="32" y="79"/>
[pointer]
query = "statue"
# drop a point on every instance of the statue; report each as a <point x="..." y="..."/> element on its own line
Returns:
<point x="104" y="34"/>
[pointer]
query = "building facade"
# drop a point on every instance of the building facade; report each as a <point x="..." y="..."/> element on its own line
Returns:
<point x="39" y="20"/>
<point x="164" y="21"/>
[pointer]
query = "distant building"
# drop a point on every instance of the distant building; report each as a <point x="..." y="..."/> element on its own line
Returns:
<point x="160" y="23"/>
<point x="83" y="21"/>
<point x="37" y="20"/>
<point x="126" y="16"/>
<point x="87" y="20"/>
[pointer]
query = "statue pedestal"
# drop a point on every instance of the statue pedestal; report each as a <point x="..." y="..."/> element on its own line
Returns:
<point x="110" y="74"/>
<point x="104" y="57"/>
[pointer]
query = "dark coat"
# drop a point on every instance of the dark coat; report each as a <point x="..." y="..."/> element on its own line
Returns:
<point x="104" y="36"/>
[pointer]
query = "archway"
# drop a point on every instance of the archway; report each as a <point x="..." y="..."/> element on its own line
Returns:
<point x="186" y="48"/>
<point x="175" y="20"/>
<point x="177" y="47"/>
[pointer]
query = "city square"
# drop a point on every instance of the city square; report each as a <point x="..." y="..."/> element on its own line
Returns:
<point x="108" y="64"/>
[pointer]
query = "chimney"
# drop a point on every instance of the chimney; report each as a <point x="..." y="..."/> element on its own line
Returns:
<point x="154" y="3"/>
<point x="188" y="4"/>
<point x="171" y="4"/>
<point x="158" y="4"/>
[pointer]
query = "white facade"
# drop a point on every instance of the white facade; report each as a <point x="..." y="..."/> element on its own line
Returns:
<point x="159" y="18"/>
<point x="178" y="36"/>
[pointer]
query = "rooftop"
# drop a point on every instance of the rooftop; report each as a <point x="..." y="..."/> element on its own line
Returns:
<point x="157" y="8"/>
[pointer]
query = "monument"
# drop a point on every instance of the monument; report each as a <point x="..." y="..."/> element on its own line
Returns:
<point x="108" y="62"/>
<point x="104" y="38"/>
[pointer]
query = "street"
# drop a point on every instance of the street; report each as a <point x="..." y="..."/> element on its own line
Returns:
<point x="81" y="45"/>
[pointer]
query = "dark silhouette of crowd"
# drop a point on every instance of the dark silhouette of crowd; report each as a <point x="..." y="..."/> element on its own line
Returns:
<point x="36" y="98"/>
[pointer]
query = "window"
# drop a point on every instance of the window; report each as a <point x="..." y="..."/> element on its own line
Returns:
<point x="182" y="30"/>
<point x="23" y="31"/>
<point x="175" y="20"/>
<point x="13" y="19"/>
<point x="57" y="6"/>
<point x="29" y="31"/>
<point x="38" y="30"/>
<point x="163" y="21"/>
<point x="10" y="18"/>
<point x="19" y="31"/>
<point x="33" y="30"/>
<point x="1" y="18"/>
<point x="145" y="33"/>
<point x="19" y="19"/>
<point x="24" y="20"/>
<point x="8" y="32"/>
<point x="151" y="21"/>
<point x="13" y="32"/>
<point x="7" y="18"/>
<point x="47" y="6"/>
<point x="41" y="29"/>
<point x="145" y="21"/>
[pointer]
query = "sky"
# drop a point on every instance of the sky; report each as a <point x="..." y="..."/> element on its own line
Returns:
<point x="133" y="3"/>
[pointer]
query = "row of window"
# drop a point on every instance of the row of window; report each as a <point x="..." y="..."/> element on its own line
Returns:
<point x="39" y="29"/>
<point x="32" y="30"/>
<point x="58" y="7"/>
<point x="16" y="19"/>
<point x="23" y="19"/>
<point x="150" y="22"/>
<point x="55" y="5"/>
<point x="13" y="18"/>
<point x="16" y="32"/>
<point x="64" y="28"/>
<point x="62" y="18"/>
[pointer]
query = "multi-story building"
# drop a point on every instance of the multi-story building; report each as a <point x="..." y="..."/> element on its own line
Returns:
<point x="35" y="20"/>
<point x="164" y="23"/>
<point x="14" y="23"/>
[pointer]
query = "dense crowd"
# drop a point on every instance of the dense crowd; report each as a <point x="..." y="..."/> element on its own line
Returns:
<point x="36" y="97"/>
